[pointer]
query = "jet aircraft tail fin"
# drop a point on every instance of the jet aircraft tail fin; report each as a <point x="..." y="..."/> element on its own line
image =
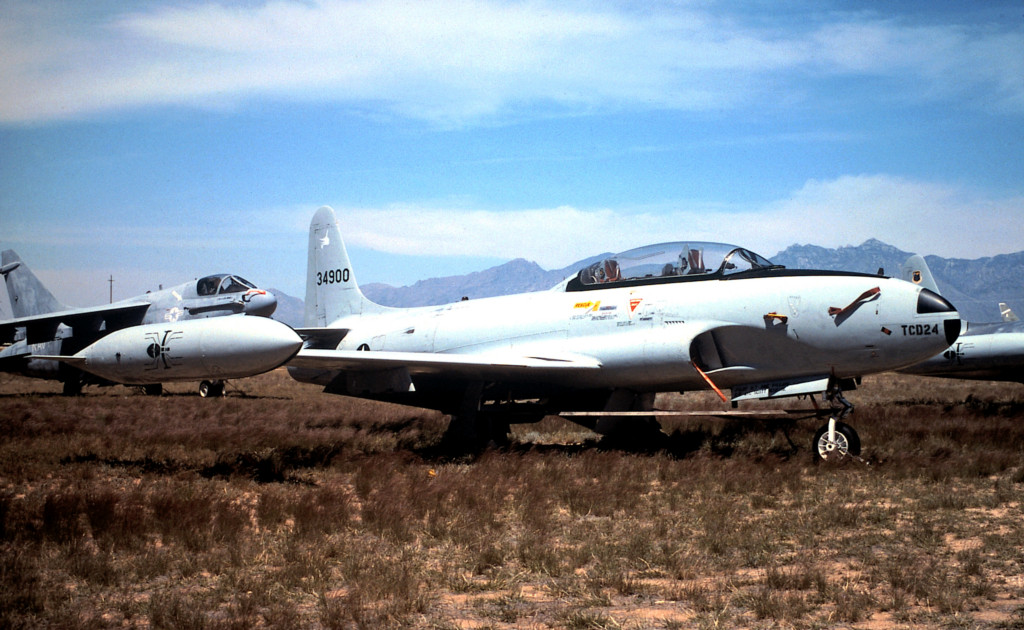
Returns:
<point x="27" y="294"/>
<point x="916" y="270"/>
<point x="331" y="289"/>
<point x="1007" y="313"/>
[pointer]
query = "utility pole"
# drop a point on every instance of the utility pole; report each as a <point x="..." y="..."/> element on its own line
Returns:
<point x="111" y="281"/>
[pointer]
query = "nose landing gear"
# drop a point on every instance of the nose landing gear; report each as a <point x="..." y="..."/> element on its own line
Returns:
<point x="836" y="440"/>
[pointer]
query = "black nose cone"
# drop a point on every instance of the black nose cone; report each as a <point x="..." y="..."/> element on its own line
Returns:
<point x="952" y="330"/>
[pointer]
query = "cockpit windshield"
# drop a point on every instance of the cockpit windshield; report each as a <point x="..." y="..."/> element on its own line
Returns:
<point x="223" y="283"/>
<point x="673" y="260"/>
<point x="235" y="284"/>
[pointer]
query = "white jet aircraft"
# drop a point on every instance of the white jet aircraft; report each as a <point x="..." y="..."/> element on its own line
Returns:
<point x="667" y="317"/>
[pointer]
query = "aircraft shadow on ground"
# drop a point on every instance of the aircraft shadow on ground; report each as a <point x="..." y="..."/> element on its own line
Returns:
<point x="175" y="395"/>
<point x="720" y="442"/>
<point x="284" y="464"/>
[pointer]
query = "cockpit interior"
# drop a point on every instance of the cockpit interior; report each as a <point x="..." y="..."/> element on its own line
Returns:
<point x="670" y="262"/>
<point x="222" y="283"/>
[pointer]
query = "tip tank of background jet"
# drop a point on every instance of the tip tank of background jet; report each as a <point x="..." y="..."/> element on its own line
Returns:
<point x="225" y="347"/>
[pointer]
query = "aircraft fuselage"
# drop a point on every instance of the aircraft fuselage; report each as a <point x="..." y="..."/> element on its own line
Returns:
<point x="648" y="338"/>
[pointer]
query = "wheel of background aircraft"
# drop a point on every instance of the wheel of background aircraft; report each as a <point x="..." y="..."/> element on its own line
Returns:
<point x="472" y="433"/>
<point x="211" y="389"/>
<point x="73" y="386"/>
<point x="847" y="442"/>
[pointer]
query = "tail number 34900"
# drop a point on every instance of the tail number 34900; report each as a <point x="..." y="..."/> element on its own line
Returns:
<point x="332" y="276"/>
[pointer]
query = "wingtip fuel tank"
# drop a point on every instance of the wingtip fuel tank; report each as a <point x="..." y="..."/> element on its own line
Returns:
<point x="190" y="350"/>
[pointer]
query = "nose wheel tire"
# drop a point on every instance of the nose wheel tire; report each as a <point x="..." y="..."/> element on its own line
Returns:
<point x="845" y="442"/>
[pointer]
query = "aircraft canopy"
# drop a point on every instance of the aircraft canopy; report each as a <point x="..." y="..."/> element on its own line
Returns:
<point x="222" y="283"/>
<point x="673" y="260"/>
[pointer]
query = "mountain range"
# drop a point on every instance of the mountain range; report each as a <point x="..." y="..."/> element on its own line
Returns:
<point x="975" y="286"/>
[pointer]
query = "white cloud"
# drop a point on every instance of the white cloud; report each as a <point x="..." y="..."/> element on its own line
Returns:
<point x="918" y="216"/>
<point x="925" y="217"/>
<point x="913" y="215"/>
<point x="931" y="61"/>
<point x="459" y="61"/>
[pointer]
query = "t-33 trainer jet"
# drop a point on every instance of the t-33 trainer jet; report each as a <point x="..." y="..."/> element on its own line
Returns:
<point x="667" y="317"/>
<point x="174" y="334"/>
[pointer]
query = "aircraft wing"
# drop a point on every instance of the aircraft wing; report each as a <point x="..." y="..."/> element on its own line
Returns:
<point x="63" y="358"/>
<point x="41" y="328"/>
<point x="470" y="365"/>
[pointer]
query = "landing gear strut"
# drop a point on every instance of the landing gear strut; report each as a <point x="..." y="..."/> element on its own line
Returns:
<point x="835" y="439"/>
<point x="72" y="385"/>
<point x="473" y="429"/>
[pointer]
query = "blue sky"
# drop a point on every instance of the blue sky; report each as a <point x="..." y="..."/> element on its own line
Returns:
<point x="160" y="141"/>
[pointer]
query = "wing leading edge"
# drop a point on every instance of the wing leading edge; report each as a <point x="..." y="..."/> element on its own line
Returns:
<point x="496" y="365"/>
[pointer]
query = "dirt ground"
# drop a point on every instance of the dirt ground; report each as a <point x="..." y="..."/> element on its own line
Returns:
<point x="278" y="506"/>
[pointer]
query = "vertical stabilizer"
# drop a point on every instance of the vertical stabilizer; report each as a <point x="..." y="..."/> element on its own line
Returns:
<point x="916" y="270"/>
<point x="331" y="289"/>
<point x="1007" y="314"/>
<point x="27" y="294"/>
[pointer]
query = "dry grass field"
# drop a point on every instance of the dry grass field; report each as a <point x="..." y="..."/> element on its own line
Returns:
<point x="281" y="507"/>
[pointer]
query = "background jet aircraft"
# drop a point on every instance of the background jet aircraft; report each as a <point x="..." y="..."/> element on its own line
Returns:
<point x="984" y="351"/>
<point x="150" y="354"/>
<point x="669" y="317"/>
<point x="44" y="327"/>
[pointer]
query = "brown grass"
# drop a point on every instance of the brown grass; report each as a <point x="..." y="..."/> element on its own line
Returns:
<point x="282" y="507"/>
